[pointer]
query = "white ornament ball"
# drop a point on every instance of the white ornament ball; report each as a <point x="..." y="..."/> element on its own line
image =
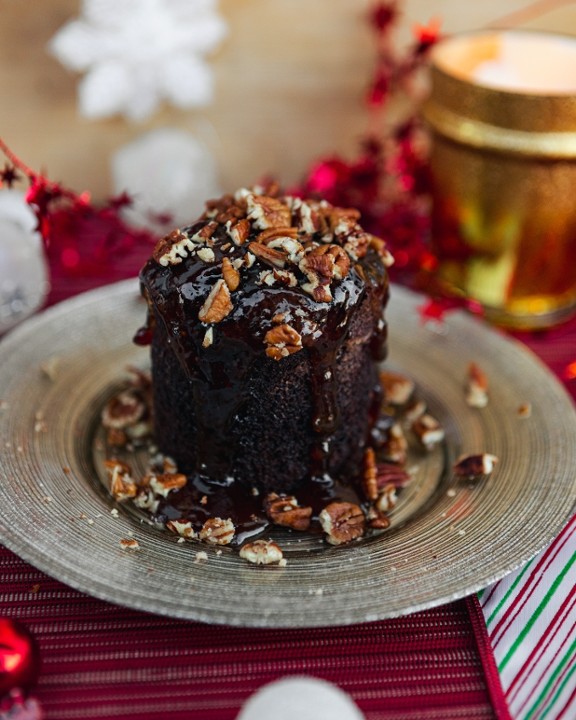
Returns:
<point x="168" y="173"/>
<point x="303" y="698"/>
<point x="23" y="271"/>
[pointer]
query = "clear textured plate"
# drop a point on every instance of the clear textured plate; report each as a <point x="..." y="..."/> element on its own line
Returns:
<point x="447" y="541"/>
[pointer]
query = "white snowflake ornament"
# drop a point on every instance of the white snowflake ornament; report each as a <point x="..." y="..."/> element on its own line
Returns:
<point x="169" y="174"/>
<point x="23" y="271"/>
<point x="136" y="53"/>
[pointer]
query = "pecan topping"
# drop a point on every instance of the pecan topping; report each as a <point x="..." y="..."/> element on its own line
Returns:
<point x="230" y="274"/>
<point x="342" y="522"/>
<point x="262" y="552"/>
<point x="475" y="465"/>
<point x="173" y="248"/>
<point x="217" y="305"/>
<point x="268" y="212"/>
<point x="217" y="531"/>
<point x="476" y="387"/>
<point x="205" y="232"/>
<point x="238" y="230"/>
<point x="282" y="340"/>
<point x="284" y="510"/>
<point x="274" y="233"/>
<point x="340" y="264"/>
<point x="268" y="255"/>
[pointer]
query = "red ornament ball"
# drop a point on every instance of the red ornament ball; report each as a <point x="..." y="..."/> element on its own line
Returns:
<point x="19" y="657"/>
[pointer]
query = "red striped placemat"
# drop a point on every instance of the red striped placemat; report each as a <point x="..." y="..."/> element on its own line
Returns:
<point x="104" y="661"/>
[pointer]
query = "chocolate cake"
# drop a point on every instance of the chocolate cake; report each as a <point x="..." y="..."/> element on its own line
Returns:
<point x="265" y="320"/>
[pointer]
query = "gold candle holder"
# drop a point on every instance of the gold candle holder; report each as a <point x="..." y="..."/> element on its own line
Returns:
<point x="502" y="111"/>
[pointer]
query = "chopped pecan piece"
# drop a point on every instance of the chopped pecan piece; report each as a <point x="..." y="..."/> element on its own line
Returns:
<point x="182" y="528"/>
<point x="395" y="447"/>
<point x="397" y="388"/>
<point x="217" y="305"/>
<point x="342" y="522"/>
<point x="476" y="387"/>
<point x="164" y="484"/>
<point x="124" y="409"/>
<point x="282" y="340"/>
<point x="122" y="484"/>
<point x="173" y="248"/>
<point x="217" y="531"/>
<point x="369" y="481"/>
<point x="284" y="510"/>
<point x="475" y="465"/>
<point x="230" y="274"/>
<point x="428" y="431"/>
<point x="129" y="544"/>
<point x="238" y="230"/>
<point x="386" y="499"/>
<point x="267" y="212"/>
<point x="267" y="254"/>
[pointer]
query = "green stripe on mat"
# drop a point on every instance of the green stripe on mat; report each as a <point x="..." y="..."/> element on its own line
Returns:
<point x="569" y="655"/>
<point x="536" y="614"/>
<point x="509" y="592"/>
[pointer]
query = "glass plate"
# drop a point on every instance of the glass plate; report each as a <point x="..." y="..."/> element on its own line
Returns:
<point x="449" y="538"/>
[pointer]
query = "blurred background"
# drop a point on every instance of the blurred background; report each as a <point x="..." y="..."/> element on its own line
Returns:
<point x="289" y="78"/>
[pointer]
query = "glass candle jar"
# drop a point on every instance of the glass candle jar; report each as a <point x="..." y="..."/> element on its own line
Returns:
<point x="502" y="111"/>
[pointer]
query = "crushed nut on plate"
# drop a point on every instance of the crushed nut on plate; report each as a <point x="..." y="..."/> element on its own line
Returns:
<point x="475" y="465"/>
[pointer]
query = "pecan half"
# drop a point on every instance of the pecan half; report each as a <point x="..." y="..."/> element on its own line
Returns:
<point x="217" y="305"/>
<point x="284" y="510"/>
<point x="395" y="448"/>
<point x="262" y="552"/>
<point x="342" y="522"/>
<point x="282" y="340"/>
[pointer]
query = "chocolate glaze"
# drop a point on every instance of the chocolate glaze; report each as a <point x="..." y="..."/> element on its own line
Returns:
<point x="220" y="379"/>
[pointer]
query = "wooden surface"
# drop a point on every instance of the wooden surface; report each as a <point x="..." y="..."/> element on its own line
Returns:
<point x="290" y="79"/>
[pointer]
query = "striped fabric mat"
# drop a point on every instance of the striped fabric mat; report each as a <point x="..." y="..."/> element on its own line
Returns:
<point x="531" y="621"/>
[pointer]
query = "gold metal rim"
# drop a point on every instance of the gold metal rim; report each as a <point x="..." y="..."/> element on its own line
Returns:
<point x="475" y="133"/>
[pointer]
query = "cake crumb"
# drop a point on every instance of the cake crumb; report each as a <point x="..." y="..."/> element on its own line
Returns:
<point x="201" y="557"/>
<point x="49" y="368"/>
<point x="524" y="411"/>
